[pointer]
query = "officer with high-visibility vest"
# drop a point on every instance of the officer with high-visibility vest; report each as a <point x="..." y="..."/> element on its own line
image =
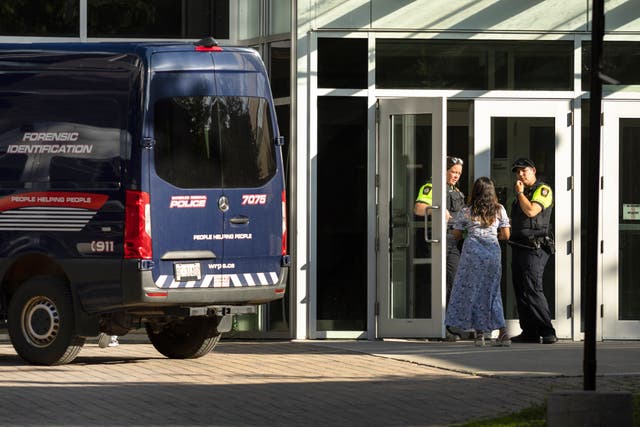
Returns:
<point x="455" y="202"/>
<point x="531" y="246"/>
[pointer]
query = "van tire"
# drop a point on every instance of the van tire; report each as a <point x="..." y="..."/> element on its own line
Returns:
<point x="183" y="339"/>
<point x="41" y="322"/>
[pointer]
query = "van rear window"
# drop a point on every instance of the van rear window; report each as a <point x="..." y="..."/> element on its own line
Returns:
<point x="214" y="142"/>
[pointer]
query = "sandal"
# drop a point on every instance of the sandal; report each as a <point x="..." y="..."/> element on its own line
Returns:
<point x="479" y="341"/>
<point x="454" y="331"/>
<point x="503" y="339"/>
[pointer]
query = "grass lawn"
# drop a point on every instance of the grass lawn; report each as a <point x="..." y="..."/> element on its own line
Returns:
<point x="536" y="416"/>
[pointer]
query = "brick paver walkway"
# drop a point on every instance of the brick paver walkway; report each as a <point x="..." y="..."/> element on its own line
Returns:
<point x="258" y="384"/>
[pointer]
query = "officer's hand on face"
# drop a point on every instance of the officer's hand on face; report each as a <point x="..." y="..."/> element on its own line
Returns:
<point x="519" y="186"/>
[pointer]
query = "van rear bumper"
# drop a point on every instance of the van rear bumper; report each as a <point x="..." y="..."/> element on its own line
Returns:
<point x="139" y="289"/>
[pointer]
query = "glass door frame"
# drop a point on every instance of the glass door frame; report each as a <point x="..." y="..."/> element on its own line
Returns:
<point x="484" y="110"/>
<point x="608" y="277"/>
<point x="386" y="326"/>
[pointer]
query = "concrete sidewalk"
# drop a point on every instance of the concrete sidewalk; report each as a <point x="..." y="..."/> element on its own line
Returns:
<point x="565" y="358"/>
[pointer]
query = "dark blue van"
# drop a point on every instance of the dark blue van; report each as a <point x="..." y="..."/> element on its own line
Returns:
<point x="141" y="185"/>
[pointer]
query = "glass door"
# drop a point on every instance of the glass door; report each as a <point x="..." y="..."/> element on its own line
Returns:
<point x="541" y="131"/>
<point x="620" y="210"/>
<point x="411" y="139"/>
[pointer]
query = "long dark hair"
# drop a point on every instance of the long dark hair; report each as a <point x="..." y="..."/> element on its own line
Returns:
<point x="483" y="201"/>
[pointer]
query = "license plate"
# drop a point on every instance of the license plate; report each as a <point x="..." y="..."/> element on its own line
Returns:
<point x="185" y="272"/>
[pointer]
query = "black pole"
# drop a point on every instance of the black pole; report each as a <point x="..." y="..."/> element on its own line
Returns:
<point x="591" y="192"/>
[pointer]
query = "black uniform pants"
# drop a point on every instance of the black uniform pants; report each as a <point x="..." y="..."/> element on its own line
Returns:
<point x="527" y="267"/>
<point x="454" y="248"/>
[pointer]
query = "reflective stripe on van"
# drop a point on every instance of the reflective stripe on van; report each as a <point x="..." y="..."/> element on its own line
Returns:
<point x="220" y="281"/>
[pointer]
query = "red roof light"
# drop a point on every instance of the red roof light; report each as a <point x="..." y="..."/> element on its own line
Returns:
<point x="207" y="44"/>
<point x="208" y="49"/>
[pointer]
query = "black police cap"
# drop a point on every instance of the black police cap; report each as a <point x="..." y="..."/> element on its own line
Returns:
<point x="522" y="163"/>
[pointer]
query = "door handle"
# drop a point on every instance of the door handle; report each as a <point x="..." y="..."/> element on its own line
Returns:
<point x="239" y="220"/>
<point x="428" y="227"/>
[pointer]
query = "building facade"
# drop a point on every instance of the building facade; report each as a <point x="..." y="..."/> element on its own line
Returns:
<point x="383" y="90"/>
<point x="371" y="96"/>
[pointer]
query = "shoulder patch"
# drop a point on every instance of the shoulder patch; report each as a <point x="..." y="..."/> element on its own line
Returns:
<point x="543" y="195"/>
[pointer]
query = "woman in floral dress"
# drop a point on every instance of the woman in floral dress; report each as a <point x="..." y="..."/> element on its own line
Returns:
<point x="476" y="302"/>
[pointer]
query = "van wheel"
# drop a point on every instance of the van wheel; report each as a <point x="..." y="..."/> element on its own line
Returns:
<point x="184" y="339"/>
<point x="41" y="322"/>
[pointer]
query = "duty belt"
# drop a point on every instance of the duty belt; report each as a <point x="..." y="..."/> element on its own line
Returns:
<point x="539" y="242"/>
<point x="529" y="244"/>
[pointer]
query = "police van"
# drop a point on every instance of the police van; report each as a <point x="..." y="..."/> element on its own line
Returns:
<point x="141" y="185"/>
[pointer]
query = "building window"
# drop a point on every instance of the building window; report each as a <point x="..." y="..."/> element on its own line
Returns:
<point x="158" y="18"/>
<point x="280" y="22"/>
<point x="342" y="63"/>
<point x="620" y="61"/>
<point x="249" y="19"/>
<point x="280" y="69"/>
<point x="40" y="18"/>
<point x="479" y="65"/>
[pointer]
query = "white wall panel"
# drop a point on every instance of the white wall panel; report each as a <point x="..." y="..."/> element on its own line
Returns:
<point x="457" y="15"/>
<point x="622" y="15"/>
<point x="349" y="14"/>
<point x="481" y="15"/>
<point x="472" y="15"/>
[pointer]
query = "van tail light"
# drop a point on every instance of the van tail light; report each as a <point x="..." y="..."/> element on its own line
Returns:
<point x="137" y="225"/>
<point x="208" y="44"/>
<point x="284" y="222"/>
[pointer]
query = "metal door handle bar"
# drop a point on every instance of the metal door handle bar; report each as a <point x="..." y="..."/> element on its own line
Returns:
<point x="239" y="220"/>
<point x="428" y="231"/>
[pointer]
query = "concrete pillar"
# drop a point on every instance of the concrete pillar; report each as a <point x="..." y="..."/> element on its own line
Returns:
<point x="589" y="409"/>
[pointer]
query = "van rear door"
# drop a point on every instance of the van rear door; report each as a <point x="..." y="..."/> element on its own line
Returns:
<point x="186" y="178"/>
<point x="218" y="186"/>
<point x="253" y="177"/>
<point x="253" y="187"/>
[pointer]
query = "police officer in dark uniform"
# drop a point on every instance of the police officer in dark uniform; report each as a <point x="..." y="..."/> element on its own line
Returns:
<point x="455" y="202"/>
<point x="531" y="245"/>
